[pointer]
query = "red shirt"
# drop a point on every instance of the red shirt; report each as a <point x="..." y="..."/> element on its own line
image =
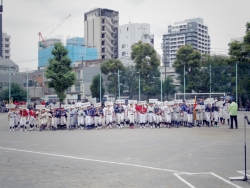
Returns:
<point x="32" y="113"/>
<point x="24" y="113"/>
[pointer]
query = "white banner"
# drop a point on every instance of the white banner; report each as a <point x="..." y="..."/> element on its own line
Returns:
<point x="10" y="106"/>
<point x="178" y="101"/>
<point x="153" y="100"/>
<point x="39" y="107"/>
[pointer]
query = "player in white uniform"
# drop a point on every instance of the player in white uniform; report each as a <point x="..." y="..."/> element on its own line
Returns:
<point x="11" y="118"/>
<point x="131" y="115"/>
<point x="167" y="115"/>
<point x="226" y="115"/>
<point x="108" y="114"/>
<point x="151" y="117"/>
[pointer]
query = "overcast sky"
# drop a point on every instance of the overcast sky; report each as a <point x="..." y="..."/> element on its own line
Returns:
<point x="23" y="19"/>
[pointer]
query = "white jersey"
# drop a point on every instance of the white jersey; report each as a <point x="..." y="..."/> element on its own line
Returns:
<point x="167" y="110"/>
<point x="108" y="111"/>
<point x="150" y="109"/>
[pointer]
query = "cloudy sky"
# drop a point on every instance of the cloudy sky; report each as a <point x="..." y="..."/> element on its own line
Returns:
<point x="23" y="19"/>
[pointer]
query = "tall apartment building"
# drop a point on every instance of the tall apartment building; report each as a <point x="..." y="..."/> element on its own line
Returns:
<point x="191" y="31"/>
<point x="132" y="33"/>
<point x="101" y="32"/>
<point x="1" y="26"/>
<point x="5" y="46"/>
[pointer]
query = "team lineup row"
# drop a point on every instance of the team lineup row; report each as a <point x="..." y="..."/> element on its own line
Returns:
<point x="153" y="115"/>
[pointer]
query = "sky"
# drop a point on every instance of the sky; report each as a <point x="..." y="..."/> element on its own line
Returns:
<point x="23" y="19"/>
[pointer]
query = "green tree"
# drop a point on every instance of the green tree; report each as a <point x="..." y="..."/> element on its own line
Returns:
<point x="60" y="72"/>
<point x="17" y="93"/>
<point x="146" y="61"/>
<point x="129" y="80"/>
<point x="110" y="67"/>
<point x="168" y="87"/>
<point x="95" y="87"/>
<point x="191" y="59"/>
<point x="240" y="54"/>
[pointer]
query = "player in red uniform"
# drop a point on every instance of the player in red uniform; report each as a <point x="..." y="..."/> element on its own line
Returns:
<point x="32" y="114"/>
<point x="24" y="117"/>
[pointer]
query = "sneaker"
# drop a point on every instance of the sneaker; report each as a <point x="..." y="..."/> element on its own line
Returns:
<point x="144" y="127"/>
<point x="21" y="129"/>
<point x="151" y="127"/>
<point x="25" y="130"/>
<point x="10" y="129"/>
<point x="110" y="126"/>
<point x="31" y="129"/>
<point x="140" y="127"/>
<point x="119" y="127"/>
<point x="107" y="128"/>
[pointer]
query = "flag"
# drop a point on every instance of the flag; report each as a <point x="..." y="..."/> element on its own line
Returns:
<point x="195" y="118"/>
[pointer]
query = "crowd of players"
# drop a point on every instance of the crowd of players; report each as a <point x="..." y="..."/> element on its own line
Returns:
<point x="152" y="115"/>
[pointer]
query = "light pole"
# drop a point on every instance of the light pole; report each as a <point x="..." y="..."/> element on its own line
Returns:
<point x="119" y="83"/>
<point x="100" y="86"/>
<point x="210" y="80"/>
<point x="139" y="85"/>
<point x="161" y="85"/>
<point x="27" y="87"/>
<point x="184" y="74"/>
<point x="9" y="86"/>
<point x="236" y="80"/>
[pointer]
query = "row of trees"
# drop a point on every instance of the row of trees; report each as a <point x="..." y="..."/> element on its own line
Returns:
<point x="146" y="66"/>
<point x="198" y="69"/>
<point x="17" y="93"/>
<point x="222" y="69"/>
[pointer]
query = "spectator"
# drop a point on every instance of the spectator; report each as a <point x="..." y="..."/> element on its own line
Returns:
<point x="54" y="102"/>
<point x="73" y="102"/>
<point x="34" y="105"/>
<point x="42" y="103"/>
<point x="247" y="106"/>
<point x="233" y="111"/>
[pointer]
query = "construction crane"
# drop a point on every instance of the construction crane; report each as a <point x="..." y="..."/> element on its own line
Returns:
<point x="42" y="42"/>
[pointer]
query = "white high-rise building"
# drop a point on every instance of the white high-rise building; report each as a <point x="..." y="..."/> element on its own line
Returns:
<point x="6" y="46"/>
<point x="191" y="31"/>
<point x="132" y="33"/>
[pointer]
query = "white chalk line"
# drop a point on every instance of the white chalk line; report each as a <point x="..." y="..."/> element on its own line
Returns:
<point x="203" y="173"/>
<point x="86" y="159"/>
<point x="176" y="173"/>
<point x="243" y="172"/>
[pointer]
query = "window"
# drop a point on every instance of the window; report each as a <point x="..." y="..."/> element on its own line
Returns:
<point x="69" y="89"/>
<point x="127" y="28"/>
<point x="77" y="87"/>
<point x="123" y="53"/>
<point x="124" y="46"/>
<point x="7" y="51"/>
<point x="7" y="45"/>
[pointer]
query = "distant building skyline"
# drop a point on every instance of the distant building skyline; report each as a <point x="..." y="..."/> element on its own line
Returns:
<point x="77" y="51"/>
<point x="131" y="33"/>
<point x="101" y="31"/>
<point x="190" y="31"/>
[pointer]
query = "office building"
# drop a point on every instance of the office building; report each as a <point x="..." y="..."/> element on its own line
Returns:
<point x="101" y="32"/>
<point x="77" y="51"/>
<point x="5" y="46"/>
<point x="191" y="31"/>
<point x="132" y="33"/>
<point x="9" y="72"/>
<point x="1" y="27"/>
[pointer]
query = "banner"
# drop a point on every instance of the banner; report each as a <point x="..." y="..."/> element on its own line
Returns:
<point x="39" y="107"/>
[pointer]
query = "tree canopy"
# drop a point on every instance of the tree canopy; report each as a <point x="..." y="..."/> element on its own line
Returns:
<point x="95" y="87"/>
<point x="59" y="72"/>
<point x="147" y="62"/>
<point x="110" y="67"/>
<point x="17" y="93"/>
